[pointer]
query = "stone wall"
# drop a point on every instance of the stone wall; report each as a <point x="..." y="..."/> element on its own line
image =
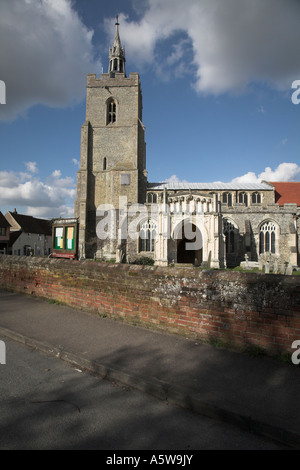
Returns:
<point x="240" y="309"/>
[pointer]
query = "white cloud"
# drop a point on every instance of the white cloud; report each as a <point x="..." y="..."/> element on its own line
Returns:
<point x="47" y="212"/>
<point x="174" y="179"/>
<point x="8" y="179"/>
<point x="284" y="172"/>
<point x="76" y="162"/>
<point x="46" y="52"/>
<point x="235" y="42"/>
<point x="53" y="198"/>
<point x="56" y="174"/>
<point x="31" y="167"/>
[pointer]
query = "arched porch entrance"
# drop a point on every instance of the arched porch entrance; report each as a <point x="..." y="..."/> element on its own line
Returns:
<point x="189" y="244"/>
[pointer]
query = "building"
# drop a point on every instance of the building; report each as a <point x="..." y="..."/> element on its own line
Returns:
<point x="29" y="236"/>
<point x="4" y="234"/>
<point x="123" y="217"/>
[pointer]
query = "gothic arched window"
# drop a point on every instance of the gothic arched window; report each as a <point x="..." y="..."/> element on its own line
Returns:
<point x="243" y="199"/>
<point x="267" y="238"/>
<point x="256" y="198"/>
<point x="148" y="233"/>
<point x="230" y="231"/>
<point x="227" y="199"/>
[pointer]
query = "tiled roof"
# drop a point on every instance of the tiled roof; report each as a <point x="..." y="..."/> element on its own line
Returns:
<point x="3" y="221"/>
<point x="30" y="224"/>
<point x="287" y="193"/>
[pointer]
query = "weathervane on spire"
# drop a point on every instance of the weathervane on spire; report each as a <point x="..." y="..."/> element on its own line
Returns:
<point x="117" y="53"/>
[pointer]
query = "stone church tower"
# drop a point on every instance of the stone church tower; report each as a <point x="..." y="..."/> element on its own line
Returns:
<point x="113" y="151"/>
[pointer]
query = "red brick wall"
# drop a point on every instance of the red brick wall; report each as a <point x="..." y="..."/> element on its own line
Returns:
<point x="240" y="309"/>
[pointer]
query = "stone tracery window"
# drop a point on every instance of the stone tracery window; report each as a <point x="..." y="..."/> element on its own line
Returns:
<point x="152" y="198"/>
<point x="243" y="199"/>
<point x="256" y="198"/>
<point x="148" y="232"/>
<point x="267" y="238"/>
<point x="227" y="199"/>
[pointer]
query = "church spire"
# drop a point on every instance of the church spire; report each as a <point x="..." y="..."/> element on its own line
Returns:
<point x="117" y="54"/>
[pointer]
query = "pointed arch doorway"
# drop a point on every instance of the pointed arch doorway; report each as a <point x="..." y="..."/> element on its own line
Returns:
<point x="189" y="245"/>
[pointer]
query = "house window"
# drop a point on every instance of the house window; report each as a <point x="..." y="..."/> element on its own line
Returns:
<point x="230" y="231"/>
<point x="147" y="236"/>
<point x="256" y="198"/>
<point x="111" y="111"/>
<point x="267" y="238"/>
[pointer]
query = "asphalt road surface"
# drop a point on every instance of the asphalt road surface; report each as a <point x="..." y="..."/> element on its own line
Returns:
<point x="47" y="404"/>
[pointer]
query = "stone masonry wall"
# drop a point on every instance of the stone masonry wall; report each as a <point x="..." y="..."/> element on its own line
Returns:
<point x="240" y="309"/>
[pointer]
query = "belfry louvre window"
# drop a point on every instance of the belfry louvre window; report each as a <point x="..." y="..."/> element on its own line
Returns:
<point x="267" y="238"/>
<point x="147" y="236"/>
<point x="111" y="112"/>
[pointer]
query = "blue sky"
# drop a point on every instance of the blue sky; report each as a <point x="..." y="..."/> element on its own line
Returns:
<point x="216" y="78"/>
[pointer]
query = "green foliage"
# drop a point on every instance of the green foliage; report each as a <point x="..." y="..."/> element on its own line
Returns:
<point x="144" y="260"/>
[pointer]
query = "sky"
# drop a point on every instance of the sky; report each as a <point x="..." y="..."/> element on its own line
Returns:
<point x="220" y="82"/>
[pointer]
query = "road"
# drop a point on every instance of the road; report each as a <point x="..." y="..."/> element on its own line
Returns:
<point x="47" y="404"/>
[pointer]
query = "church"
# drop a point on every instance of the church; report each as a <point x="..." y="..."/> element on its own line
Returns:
<point x="124" y="218"/>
